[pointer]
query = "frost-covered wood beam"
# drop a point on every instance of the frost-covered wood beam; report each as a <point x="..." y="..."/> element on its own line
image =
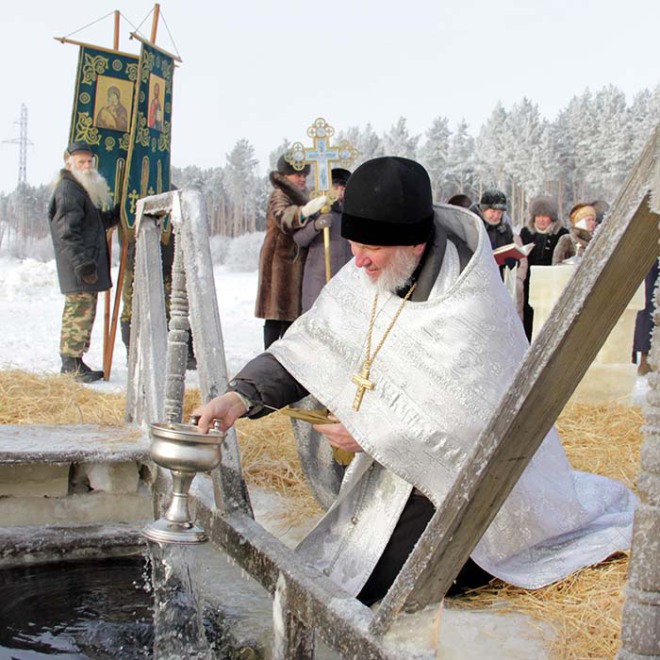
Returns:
<point x="613" y="268"/>
<point x="156" y="373"/>
<point x="640" y="633"/>
<point x="319" y="604"/>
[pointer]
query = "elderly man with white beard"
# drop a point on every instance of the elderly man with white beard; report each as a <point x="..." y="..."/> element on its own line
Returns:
<point x="79" y="217"/>
<point x="411" y="346"/>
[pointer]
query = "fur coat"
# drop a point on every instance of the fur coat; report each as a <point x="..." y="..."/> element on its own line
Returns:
<point x="281" y="261"/>
<point x="570" y="245"/>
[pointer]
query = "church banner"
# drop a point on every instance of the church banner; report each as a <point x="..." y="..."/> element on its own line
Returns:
<point x="148" y="166"/>
<point x="102" y="109"/>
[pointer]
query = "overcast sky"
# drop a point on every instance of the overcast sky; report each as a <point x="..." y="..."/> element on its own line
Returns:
<point x="265" y="69"/>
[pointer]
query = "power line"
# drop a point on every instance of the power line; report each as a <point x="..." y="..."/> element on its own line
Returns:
<point x="22" y="142"/>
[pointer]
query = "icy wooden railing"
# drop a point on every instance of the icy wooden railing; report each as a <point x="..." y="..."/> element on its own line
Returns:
<point x="307" y="602"/>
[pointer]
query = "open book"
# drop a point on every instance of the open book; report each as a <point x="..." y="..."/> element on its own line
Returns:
<point x="511" y="251"/>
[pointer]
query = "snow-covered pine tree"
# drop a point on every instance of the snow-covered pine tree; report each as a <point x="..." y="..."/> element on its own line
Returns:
<point x="434" y="155"/>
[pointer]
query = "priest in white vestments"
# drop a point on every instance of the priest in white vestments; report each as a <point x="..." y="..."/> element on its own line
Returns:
<point x="411" y="346"/>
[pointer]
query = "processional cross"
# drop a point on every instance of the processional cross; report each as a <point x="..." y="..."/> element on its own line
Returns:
<point x="323" y="155"/>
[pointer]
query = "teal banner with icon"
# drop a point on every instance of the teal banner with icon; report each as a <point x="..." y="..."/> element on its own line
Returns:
<point x="102" y="109"/>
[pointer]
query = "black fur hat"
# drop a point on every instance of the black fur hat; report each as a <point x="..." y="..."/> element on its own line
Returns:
<point x="493" y="199"/>
<point x="388" y="201"/>
<point x="544" y="205"/>
<point x="340" y="176"/>
<point x="285" y="167"/>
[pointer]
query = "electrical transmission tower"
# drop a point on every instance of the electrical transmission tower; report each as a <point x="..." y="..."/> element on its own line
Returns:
<point x="22" y="142"/>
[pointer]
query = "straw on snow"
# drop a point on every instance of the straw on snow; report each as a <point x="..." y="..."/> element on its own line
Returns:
<point x="584" y="609"/>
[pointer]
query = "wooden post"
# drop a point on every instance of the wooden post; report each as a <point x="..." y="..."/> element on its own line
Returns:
<point x="115" y="43"/>
<point x="110" y="324"/>
<point x="640" y="633"/>
<point x="154" y="23"/>
<point x="326" y="252"/>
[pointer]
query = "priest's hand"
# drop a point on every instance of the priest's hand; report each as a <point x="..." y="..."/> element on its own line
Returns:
<point x="226" y="409"/>
<point x="338" y="436"/>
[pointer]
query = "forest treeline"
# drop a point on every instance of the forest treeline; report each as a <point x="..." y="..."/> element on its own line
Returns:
<point x="583" y="155"/>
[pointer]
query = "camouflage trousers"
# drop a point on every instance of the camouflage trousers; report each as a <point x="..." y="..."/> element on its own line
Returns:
<point x="77" y="322"/>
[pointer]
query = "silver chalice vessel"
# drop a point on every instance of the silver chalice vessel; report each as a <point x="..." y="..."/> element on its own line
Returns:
<point x="185" y="451"/>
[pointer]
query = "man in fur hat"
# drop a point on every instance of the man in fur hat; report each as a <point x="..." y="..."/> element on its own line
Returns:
<point x="544" y="229"/>
<point x="79" y="217"/>
<point x="281" y="262"/>
<point x="412" y="346"/>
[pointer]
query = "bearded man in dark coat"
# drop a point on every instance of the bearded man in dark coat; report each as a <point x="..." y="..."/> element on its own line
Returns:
<point x="79" y="217"/>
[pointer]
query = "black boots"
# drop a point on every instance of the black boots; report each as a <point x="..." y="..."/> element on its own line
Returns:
<point x="126" y="336"/>
<point x="82" y="373"/>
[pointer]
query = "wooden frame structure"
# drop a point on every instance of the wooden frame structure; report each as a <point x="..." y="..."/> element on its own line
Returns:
<point x="308" y="603"/>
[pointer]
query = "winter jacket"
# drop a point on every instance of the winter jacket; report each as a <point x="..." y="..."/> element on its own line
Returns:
<point x="78" y="230"/>
<point x="340" y="254"/>
<point x="541" y="254"/>
<point x="281" y="261"/>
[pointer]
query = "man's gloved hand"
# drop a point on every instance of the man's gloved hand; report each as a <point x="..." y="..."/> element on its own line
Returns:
<point x="88" y="273"/>
<point x="322" y="222"/>
<point x="313" y="206"/>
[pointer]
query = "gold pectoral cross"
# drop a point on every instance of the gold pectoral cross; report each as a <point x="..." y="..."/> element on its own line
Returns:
<point x="363" y="383"/>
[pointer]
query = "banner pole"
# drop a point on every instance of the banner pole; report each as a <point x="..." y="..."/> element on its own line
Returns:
<point x="154" y="23"/>
<point x="111" y="332"/>
<point x="116" y="39"/>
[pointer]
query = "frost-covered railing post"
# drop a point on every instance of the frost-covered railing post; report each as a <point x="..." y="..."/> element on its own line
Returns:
<point x="156" y="371"/>
<point x="640" y="634"/>
<point x="177" y="341"/>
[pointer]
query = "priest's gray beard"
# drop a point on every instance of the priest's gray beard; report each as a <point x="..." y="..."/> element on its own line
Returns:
<point x="95" y="185"/>
<point x="396" y="275"/>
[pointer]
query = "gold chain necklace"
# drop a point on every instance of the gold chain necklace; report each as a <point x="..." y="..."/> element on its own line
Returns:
<point x="361" y="379"/>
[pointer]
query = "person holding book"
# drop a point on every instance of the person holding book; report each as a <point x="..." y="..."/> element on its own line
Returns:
<point x="543" y="229"/>
<point x="491" y="209"/>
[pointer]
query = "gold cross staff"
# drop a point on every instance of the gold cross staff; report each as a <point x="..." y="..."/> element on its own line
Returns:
<point x="322" y="156"/>
<point x="363" y="383"/>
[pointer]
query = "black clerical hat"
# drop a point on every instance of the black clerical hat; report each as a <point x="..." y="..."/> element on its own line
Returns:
<point x="388" y="201"/>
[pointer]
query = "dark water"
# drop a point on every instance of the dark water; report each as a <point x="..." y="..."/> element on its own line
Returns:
<point x="86" y="609"/>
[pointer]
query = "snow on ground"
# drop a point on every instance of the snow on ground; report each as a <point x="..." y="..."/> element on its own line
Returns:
<point x="31" y="309"/>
